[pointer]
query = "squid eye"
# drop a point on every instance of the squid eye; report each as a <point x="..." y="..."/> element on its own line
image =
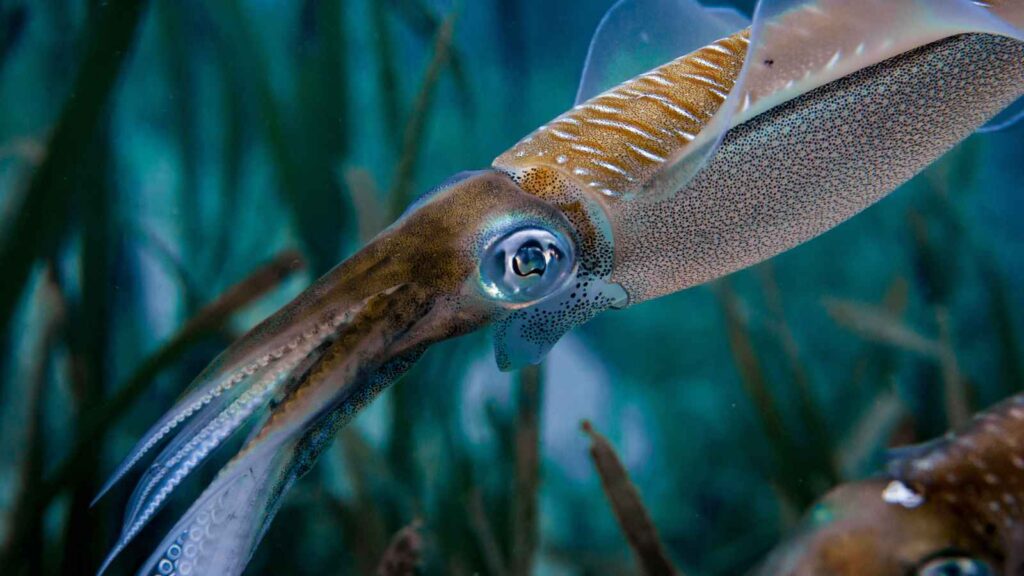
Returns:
<point x="955" y="566"/>
<point x="526" y="265"/>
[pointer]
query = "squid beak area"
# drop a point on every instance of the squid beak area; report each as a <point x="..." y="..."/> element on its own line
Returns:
<point x="399" y="296"/>
<point x="424" y="265"/>
<point x="375" y="314"/>
<point x="375" y="319"/>
<point x="416" y="284"/>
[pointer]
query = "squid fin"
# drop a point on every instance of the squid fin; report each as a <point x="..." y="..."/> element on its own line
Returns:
<point x="635" y="36"/>
<point x="794" y="47"/>
<point x="1006" y="119"/>
<point x="732" y="18"/>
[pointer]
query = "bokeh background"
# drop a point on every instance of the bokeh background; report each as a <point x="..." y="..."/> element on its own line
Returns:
<point x="172" y="171"/>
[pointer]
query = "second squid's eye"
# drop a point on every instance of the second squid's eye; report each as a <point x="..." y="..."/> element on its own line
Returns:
<point x="955" y="566"/>
<point x="526" y="265"/>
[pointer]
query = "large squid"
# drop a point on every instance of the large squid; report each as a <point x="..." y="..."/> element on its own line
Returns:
<point x="747" y="138"/>
<point x="951" y="507"/>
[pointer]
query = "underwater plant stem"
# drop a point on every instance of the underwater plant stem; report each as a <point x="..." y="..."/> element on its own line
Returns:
<point x="527" y="473"/>
<point x="305" y="183"/>
<point x="809" y="408"/>
<point x="629" y="509"/>
<point x="870" y="431"/>
<point x="387" y="74"/>
<point x="412" y="140"/>
<point x="371" y="527"/>
<point x="1001" y="314"/>
<point x="404" y="553"/>
<point x="425" y="23"/>
<point x="371" y="212"/>
<point x="876" y="362"/>
<point x="174" y="34"/>
<point x="39" y="222"/>
<point x="233" y="148"/>
<point x="484" y="533"/>
<point x="90" y="344"/>
<point x="755" y="384"/>
<point x="208" y="320"/>
<point x="50" y="300"/>
<point x="881" y="325"/>
<point x="258" y="283"/>
<point x="954" y="390"/>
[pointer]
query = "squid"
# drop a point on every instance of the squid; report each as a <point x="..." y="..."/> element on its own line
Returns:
<point x="702" y="142"/>
<point x="951" y="507"/>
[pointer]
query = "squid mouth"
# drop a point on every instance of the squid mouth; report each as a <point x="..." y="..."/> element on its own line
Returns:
<point x="351" y="353"/>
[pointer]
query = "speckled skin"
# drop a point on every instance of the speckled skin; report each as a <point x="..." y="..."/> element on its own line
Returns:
<point x="976" y="476"/>
<point x="803" y="167"/>
<point x="972" y="485"/>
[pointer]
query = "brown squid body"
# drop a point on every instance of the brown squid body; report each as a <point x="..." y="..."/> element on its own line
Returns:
<point x="952" y="506"/>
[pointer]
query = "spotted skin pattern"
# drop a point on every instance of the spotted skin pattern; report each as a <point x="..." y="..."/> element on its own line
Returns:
<point x="959" y="498"/>
<point x="976" y="475"/>
<point x="830" y="153"/>
<point x="526" y="335"/>
<point x="778" y="179"/>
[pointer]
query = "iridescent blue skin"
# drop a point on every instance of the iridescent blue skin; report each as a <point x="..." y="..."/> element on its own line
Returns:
<point x="535" y="251"/>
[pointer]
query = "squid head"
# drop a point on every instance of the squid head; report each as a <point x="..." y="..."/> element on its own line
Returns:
<point x="476" y="250"/>
<point x="853" y="531"/>
<point x="952" y="506"/>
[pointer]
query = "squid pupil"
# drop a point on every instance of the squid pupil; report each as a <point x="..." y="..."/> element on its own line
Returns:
<point x="530" y="259"/>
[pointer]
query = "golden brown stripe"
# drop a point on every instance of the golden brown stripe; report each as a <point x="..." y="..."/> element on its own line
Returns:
<point x="619" y="138"/>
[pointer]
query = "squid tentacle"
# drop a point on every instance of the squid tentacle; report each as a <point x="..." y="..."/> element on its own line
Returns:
<point x="219" y="532"/>
<point x="211" y="420"/>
